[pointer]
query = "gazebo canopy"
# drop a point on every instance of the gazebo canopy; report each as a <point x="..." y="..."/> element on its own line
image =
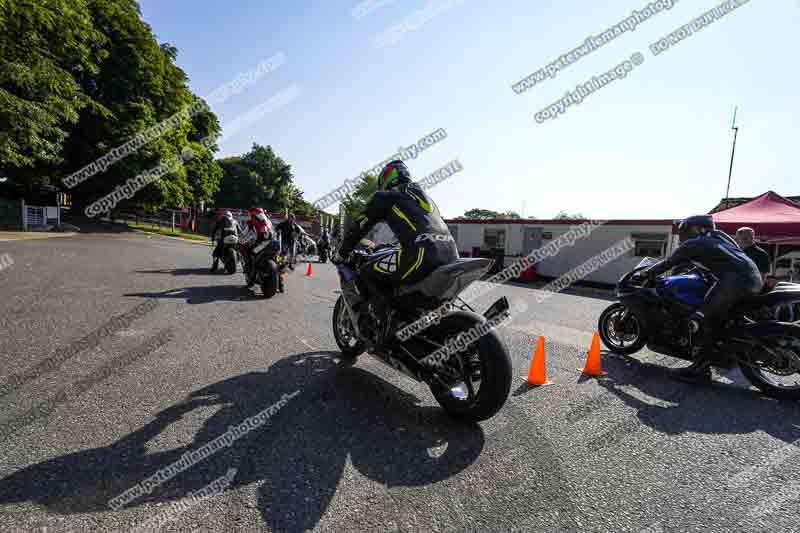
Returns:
<point x="775" y="219"/>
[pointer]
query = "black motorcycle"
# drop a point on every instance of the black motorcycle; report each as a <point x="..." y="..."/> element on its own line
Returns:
<point x="230" y="253"/>
<point x="266" y="267"/>
<point x="471" y="384"/>
<point x="659" y="315"/>
<point x="323" y="249"/>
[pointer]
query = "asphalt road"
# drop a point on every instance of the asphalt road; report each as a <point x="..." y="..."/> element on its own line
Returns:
<point x="120" y="353"/>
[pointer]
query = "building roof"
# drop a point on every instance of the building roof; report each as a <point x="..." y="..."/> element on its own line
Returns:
<point x="551" y="222"/>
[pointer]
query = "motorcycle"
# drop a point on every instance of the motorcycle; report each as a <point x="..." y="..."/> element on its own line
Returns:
<point x="230" y="253"/>
<point x="323" y="252"/>
<point x="472" y="384"/>
<point x="266" y="267"/>
<point x="659" y="315"/>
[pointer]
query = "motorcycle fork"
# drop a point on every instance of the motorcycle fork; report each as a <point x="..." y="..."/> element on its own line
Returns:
<point x="352" y="315"/>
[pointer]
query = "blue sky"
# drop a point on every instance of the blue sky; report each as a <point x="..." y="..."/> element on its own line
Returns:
<point x="653" y="145"/>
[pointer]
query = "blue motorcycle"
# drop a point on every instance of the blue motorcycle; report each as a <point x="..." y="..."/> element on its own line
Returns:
<point x="658" y="315"/>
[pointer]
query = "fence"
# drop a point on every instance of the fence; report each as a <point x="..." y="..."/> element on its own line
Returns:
<point x="11" y="214"/>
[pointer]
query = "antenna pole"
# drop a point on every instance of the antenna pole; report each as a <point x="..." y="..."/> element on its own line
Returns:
<point x="733" y="151"/>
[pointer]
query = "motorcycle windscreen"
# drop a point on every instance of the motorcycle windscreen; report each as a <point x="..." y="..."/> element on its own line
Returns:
<point x="646" y="262"/>
<point x="689" y="288"/>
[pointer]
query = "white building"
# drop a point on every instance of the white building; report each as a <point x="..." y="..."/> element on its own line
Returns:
<point x="519" y="237"/>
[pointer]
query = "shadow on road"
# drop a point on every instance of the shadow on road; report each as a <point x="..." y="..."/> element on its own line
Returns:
<point x="203" y="294"/>
<point x="298" y="456"/>
<point x="715" y="409"/>
<point x="186" y="271"/>
<point x="606" y="295"/>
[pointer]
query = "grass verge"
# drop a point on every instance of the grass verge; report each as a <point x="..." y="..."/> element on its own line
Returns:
<point x="169" y="233"/>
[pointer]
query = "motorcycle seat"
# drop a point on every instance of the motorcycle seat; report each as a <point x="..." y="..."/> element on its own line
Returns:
<point x="782" y="293"/>
<point x="447" y="281"/>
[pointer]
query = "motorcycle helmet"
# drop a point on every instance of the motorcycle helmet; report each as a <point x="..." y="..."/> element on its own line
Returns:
<point x="393" y="175"/>
<point x="695" y="226"/>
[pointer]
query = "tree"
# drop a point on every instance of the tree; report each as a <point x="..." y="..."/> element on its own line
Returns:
<point x="41" y="46"/>
<point x="563" y="215"/>
<point x="485" y="214"/>
<point x="79" y="78"/>
<point x="355" y="203"/>
<point x="260" y="178"/>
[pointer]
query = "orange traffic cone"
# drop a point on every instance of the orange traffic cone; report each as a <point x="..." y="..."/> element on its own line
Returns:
<point x="308" y="274"/>
<point x="537" y="375"/>
<point x="593" y="366"/>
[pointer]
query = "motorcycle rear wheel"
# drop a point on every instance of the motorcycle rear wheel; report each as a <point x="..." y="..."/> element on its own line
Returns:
<point x="269" y="286"/>
<point x="230" y="262"/>
<point x="762" y="377"/>
<point x="487" y="360"/>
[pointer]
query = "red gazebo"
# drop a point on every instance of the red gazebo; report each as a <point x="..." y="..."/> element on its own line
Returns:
<point x="775" y="219"/>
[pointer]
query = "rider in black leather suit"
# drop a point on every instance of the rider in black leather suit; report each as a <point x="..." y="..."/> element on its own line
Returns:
<point x="425" y="241"/>
<point x="226" y="225"/>
<point x="739" y="278"/>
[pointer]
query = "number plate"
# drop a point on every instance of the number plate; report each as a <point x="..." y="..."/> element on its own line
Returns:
<point x="260" y="247"/>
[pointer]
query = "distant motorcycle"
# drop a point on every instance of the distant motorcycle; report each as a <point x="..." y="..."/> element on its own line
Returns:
<point x="659" y="316"/>
<point x="472" y="384"/>
<point x="323" y="249"/>
<point x="266" y="267"/>
<point x="230" y="253"/>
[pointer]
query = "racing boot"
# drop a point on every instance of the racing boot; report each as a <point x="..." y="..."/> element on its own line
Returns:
<point x="699" y="372"/>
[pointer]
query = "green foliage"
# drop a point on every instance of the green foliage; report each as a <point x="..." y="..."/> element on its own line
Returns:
<point x="563" y="215"/>
<point x="79" y="78"/>
<point x="484" y="214"/>
<point x="356" y="202"/>
<point x="260" y="178"/>
<point x="43" y="45"/>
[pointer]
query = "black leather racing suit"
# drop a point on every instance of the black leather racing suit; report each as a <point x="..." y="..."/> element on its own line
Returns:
<point x="425" y="241"/>
<point x="224" y="227"/>
<point x="738" y="277"/>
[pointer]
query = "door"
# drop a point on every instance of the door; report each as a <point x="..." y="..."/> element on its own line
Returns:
<point x="531" y="240"/>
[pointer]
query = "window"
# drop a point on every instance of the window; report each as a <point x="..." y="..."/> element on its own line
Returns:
<point x="494" y="238"/>
<point x="650" y="244"/>
<point x="547" y="235"/>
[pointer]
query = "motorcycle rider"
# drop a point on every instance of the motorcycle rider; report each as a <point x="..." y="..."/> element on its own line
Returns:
<point x="259" y="229"/>
<point x="425" y="241"/>
<point x="290" y="233"/>
<point x="324" y="242"/>
<point x="224" y="226"/>
<point x="738" y="278"/>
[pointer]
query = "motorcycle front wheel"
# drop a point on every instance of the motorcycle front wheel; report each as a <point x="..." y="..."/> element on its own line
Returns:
<point x="623" y="338"/>
<point x="344" y="333"/>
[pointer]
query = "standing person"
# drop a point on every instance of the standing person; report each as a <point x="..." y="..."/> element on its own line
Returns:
<point x="290" y="232"/>
<point x="746" y="237"/>
<point x="225" y="225"/>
